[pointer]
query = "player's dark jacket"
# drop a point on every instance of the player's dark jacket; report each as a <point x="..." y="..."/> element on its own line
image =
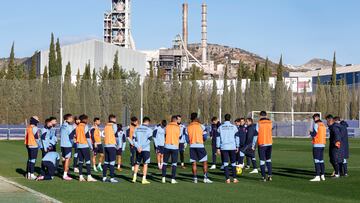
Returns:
<point x="214" y="132"/>
<point x="250" y="134"/>
<point x="242" y="135"/>
<point x="344" y="139"/>
<point x="335" y="134"/>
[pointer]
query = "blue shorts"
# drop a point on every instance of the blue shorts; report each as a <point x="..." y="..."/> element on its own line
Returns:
<point x="98" y="150"/>
<point x="198" y="155"/>
<point x="160" y="149"/>
<point x="181" y="147"/>
<point x="66" y="152"/>
<point x="119" y="152"/>
<point x="143" y="157"/>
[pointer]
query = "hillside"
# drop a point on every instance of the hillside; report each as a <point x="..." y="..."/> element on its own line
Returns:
<point x="4" y="61"/>
<point x="218" y="53"/>
<point x="314" y="64"/>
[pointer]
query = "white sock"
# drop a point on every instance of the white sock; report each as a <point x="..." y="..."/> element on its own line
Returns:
<point x="65" y="174"/>
<point x="119" y="165"/>
<point x="144" y="177"/>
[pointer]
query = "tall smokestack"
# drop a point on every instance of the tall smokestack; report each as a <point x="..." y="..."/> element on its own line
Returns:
<point x="204" y="34"/>
<point x="185" y="24"/>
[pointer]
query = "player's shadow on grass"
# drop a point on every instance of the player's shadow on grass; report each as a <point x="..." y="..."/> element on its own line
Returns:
<point x="22" y="172"/>
<point x="293" y="172"/>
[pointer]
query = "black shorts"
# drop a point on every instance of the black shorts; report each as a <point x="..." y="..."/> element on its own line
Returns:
<point x="66" y="152"/>
<point x="119" y="152"/>
<point x="143" y="157"/>
<point x="265" y="153"/>
<point x="198" y="155"/>
<point x="181" y="147"/>
<point x="98" y="150"/>
<point x="160" y="149"/>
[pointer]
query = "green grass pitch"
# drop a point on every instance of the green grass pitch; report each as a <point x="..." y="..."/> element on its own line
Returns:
<point x="292" y="163"/>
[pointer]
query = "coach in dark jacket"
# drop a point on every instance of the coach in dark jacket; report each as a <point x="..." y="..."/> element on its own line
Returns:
<point x="344" y="144"/>
<point x="335" y="152"/>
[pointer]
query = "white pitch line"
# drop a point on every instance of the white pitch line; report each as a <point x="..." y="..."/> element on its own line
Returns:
<point x="43" y="196"/>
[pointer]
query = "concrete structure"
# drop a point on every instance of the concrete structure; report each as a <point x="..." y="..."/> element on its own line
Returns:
<point x="98" y="53"/>
<point x="117" y="24"/>
<point x="350" y="73"/>
<point x="204" y="34"/>
<point x="185" y="25"/>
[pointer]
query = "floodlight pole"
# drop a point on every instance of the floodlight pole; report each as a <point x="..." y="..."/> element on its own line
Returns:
<point x="141" y="98"/>
<point x="61" y="99"/>
<point x="292" y="112"/>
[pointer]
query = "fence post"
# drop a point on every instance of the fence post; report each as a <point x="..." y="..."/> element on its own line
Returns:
<point x="7" y="116"/>
<point x="141" y="98"/>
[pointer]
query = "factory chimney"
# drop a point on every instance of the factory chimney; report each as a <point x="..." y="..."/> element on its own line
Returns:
<point x="204" y="35"/>
<point x="185" y="25"/>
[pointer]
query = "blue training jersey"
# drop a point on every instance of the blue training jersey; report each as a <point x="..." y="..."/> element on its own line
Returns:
<point x="142" y="137"/>
<point x="227" y="139"/>
<point x="159" y="136"/>
<point x="53" y="157"/>
<point x="67" y="133"/>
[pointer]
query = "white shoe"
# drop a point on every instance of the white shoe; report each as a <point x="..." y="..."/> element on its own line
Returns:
<point x="213" y="167"/>
<point x="322" y="177"/>
<point x="240" y="165"/>
<point x="163" y="180"/>
<point x="207" y="180"/>
<point x="95" y="169"/>
<point x="195" y="180"/>
<point x="222" y="167"/>
<point x="32" y="177"/>
<point x="76" y="170"/>
<point x="104" y="179"/>
<point x="316" y="179"/>
<point x="91" y="179"/>
<point x="255" y="171"/>
<point x="113" y="180"/>
<point x="81" y="178"/>
<point x="173" y="181"/>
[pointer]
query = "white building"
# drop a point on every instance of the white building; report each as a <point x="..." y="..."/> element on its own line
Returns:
<point x="98" y="53"/>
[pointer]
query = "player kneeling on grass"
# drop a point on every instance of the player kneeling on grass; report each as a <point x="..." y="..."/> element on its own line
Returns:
<point x="84" y="146"/>
<point x="95" y="135"/>
<point x="32" y="142"/>
<point x="66" y="142"/>
<point x="318" y="134"/>
<point x="228" y="143"/>
<point x="159" y="141"/>
<point x="264" y="141"/>
<point x="196" y="136"/>
<point x="142" y="137"/>
<point x="110" y="143"/>
<point x="49" y="165"/>
<point x="120" y="147"/>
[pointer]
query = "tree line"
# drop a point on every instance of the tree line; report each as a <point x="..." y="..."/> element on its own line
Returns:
<point x="117" y="91"/>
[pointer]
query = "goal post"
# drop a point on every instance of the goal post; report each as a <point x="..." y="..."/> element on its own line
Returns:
<point x="296" y="124"/>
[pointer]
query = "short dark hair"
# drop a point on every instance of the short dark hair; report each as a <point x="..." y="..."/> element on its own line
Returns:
<point x="83" y="117"/>
<point x="47" y="120"/>
<point x="119" y="126"/>
<point x="134" y="119"/>
<point x="237" y="120"/>
<point x="250" y="119"/>
<point x="96" y="119"/>
<point x="111" y="116"/>
<point x="263" y="113"/>
<point x="214" y="119"/>
<point x="76" y="118"/>
<point x="337" y="118"/>
<point x="67" y="116"/>
<point x="242" y="119"/>
<point x="52" y="118"/>
<point x="174" y="118"/>
<point x="329" y="116"/>
<point x="316" y="115"/>
<point x="193" y="116"/>
<point x="146" y="119"/>
<point x="163" y="122"/>
<point x="227" y="117"/>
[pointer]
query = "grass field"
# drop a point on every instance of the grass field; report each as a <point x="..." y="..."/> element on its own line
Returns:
<point x="292" y="162"/>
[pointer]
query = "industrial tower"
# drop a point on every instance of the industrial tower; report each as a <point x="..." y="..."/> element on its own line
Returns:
<point x="117" y="24"/>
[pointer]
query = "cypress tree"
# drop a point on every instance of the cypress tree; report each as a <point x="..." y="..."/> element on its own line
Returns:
<point x="266" y="91"/>
<point x="116" y="105"/>
<point x="354" y="103"/>
<point x="58" y="58"/>
<point x="333" y="74"/>
<point x="204" y="106"/>
<point x="194" y="100"/>
<point x="45" y="100"/>
<point x="32" y="72"/>
<point x="321" y="99"/>
<point x="240" y="107"/>
<point x="214" y="100"/>
<point x="175" y="99"/>
<point x="104" y="92"/>
<point x="232" y="99"/>
<point x="279" y="70"/>
<point x="280" y="91"/>
<point x="185" y="97"/>
<point x="225" y="102"/>
<point x="304" y="105"/>
<point x="10" y="75"/>
<point x="52" y="59"/>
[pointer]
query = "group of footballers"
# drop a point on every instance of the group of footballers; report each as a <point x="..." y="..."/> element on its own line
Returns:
<point x="232" y="141"/>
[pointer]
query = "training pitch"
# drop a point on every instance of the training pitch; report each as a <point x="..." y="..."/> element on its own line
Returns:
<point x="292" y="169"/>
